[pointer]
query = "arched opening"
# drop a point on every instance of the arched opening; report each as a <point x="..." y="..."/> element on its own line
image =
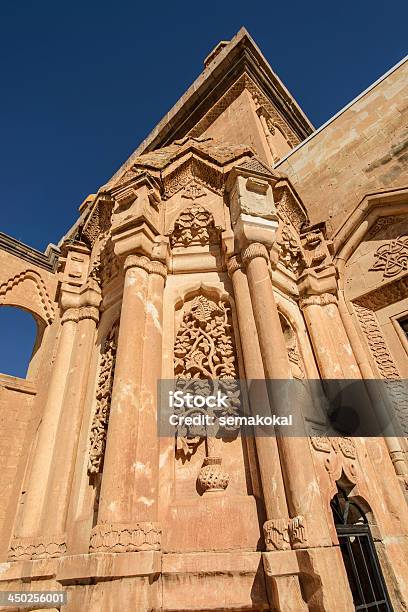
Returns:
<point x="18" y="332"/>
<point x="360" y="559"/>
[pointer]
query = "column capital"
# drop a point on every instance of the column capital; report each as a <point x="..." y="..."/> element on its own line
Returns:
<point x="255" y="249"/>
<point x="71" y="314"/>
<point x="157" y="267"/>
<point x="88" y="312"/>
<point x="143" y="262"/>
<point x="234" y="263"/>
<point x="318" y="300"/>
<point x="137" y="261"/>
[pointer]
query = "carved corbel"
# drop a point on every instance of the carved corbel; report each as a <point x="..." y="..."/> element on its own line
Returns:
<point x="253" y="212"/>
<point x="136" y="218"/>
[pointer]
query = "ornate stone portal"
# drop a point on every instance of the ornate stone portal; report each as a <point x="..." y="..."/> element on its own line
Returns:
<point x="205" y="260"/>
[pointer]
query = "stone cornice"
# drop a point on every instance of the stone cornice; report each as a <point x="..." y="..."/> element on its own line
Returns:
<point x="46" y="261"/>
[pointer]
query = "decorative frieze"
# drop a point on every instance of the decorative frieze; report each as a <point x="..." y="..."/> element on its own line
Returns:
<point x="384" y="361"/>
<point x="118" y="538"/>
<point x="42" y="547"/>
<point x="103" y="399"/>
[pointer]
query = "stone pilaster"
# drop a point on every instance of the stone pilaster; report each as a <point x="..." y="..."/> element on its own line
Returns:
<point x="267" y="449"/>
<point x="43" y="512"/>
<point x="127" y="518"/>
<point x="295" y="453"/>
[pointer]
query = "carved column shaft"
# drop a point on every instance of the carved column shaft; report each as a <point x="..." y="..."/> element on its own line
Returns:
<point x="42" y="464"/>
<point x="267" y="449"/>
<point x="329" y="339"/>
<point x="128" y="500"/>
<point x="147" y="451"/>
<point x="53" y="518"/>
<point x="118" y="490"/>
<point x="295" y="453"/>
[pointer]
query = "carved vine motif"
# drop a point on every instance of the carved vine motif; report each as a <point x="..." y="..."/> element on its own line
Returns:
<point x="392" y="257"/>
<point x="104" y="265"/>
<point x="384" y="361"/>
<point x="290" y="252"/>
<point x="195" y="226"/>
<point x="99" y="219"/>
<point x="288" y="209"/>
<point x="103" y="398"/>
<point x="204" y="362"/>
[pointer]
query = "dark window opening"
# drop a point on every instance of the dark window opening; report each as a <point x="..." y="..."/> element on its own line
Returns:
<point x="404" y="325"/>
<point x="18" y="333"/>
<point x="363" y="569"/>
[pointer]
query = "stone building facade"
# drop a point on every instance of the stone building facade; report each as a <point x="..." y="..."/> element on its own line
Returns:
<point x="236" y="241"/>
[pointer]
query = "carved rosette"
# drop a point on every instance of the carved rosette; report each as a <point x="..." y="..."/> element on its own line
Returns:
<point x="43" y="547"/>
<point x="103" y="399"/>
<point x="194" y="227"/>
<point x="118" y="538"/>
<point x="284" y="533"/>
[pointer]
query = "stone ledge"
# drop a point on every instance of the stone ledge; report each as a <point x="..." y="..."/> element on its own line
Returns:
<point x="15" y="383"/>
<point x="77" y="567"/>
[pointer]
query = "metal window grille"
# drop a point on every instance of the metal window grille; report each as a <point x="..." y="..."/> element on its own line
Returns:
<point x="363" y="569"/>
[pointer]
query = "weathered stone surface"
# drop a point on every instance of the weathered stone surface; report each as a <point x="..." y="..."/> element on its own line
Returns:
<point x="201" y="262"/>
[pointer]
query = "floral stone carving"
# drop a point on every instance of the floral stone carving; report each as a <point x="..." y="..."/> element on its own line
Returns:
<point x="194" y="227"/>
<point x="103" y="398"/>
<point x="205" y="362"/>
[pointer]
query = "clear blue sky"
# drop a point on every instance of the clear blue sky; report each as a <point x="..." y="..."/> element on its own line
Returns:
<point x="82" y="83"/>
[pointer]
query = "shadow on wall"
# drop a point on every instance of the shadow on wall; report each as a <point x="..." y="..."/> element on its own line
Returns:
<point x="18" y="332"/>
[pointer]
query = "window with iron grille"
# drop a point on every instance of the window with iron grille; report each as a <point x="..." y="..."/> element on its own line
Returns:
<point x="359" y="556"/>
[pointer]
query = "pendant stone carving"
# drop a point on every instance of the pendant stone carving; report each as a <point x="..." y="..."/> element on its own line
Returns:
<point x="205" y="362"/>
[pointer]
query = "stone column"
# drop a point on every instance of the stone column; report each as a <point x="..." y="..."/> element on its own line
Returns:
<point x="26" y="541"/>
<point x="127" y="517"/>
<point x="267" y="450"/>
<point x="54" y="515"/>
<point x="329" y="339"/>
<point x="307" y="527"/>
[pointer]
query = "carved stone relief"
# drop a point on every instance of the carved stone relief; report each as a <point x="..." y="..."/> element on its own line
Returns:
<point x="392" y="257"/>
<point x="205" y="361"/>
<point x="194" y="227"/>
<point x="103" y="398"/>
